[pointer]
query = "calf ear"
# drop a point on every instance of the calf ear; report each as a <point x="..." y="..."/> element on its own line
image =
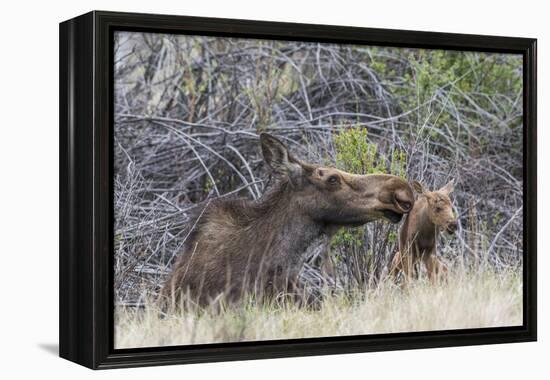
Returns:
<point x="276" y="155"/>
<point x="449" y="187"/>
<point x="418" y="187"/>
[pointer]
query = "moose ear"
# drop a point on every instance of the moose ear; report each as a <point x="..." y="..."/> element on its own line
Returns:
<point x="449" y="187"/>
<point x="276" y="155"/>
<point x="418" y="187"/>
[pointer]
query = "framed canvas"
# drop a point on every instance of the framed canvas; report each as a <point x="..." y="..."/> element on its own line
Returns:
<point x="236" y="189"/>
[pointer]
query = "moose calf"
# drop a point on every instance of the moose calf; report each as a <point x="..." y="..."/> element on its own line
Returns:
<point x="240" y="246"/>
<point x="418" y="235"/>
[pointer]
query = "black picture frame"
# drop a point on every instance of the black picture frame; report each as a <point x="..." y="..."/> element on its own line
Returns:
<point x="86" y="188"/>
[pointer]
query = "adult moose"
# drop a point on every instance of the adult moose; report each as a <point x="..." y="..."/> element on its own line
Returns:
<point x="240" y="246"/>
<point x="418" y="234"/>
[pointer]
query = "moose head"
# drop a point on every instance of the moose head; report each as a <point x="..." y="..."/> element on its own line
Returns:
<point x="334" y="197"/>
<point x="439" y="206"/>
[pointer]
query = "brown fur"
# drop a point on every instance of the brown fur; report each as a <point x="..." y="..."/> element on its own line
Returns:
<point x="241" y="246"/>
<point x="418" y="234"/>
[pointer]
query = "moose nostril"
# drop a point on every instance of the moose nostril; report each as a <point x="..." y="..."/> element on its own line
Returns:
<point x="403" y="201"/>
<point x="404" y="206"/>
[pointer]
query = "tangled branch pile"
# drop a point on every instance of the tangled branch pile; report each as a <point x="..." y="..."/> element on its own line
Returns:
<point x="188" y="111"/>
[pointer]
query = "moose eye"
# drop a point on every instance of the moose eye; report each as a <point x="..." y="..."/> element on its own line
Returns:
<point x="333" y="180"/>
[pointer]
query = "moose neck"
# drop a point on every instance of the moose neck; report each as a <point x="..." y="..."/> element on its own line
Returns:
<point x="288" y="233"/>
<point x="427" y="230"/>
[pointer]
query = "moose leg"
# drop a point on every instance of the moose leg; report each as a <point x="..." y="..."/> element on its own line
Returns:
<point x="441" y="268"/>
<point x="435" y="268"/>
<point x="430" y="266"/>
<point x="396" y="266"/>
<point x="407" y="267"/>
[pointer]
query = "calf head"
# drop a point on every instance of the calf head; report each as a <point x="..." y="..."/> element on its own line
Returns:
<point x="335" y="197"/>
<point x="440" y="208"/>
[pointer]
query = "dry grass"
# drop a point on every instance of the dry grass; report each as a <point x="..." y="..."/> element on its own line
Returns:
<point x="466" y="301"/>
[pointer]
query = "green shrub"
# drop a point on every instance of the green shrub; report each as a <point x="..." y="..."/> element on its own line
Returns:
<point x="356" y="154"/>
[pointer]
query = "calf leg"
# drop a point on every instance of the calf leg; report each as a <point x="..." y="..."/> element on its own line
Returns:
<point x="406" y="263"/>
<point x="402" y="263"/>
<point x="396" y="267"/>
<point x="436" y="269"/>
